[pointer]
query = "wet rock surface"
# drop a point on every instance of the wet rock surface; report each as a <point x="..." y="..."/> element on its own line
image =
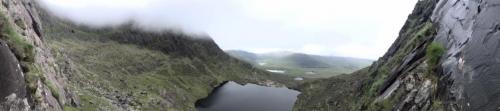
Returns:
<point x="470" y="30"/>
<point x="12" y="85"/>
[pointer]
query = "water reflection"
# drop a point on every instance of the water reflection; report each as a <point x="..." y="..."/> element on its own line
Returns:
<point x="250" y="97"/>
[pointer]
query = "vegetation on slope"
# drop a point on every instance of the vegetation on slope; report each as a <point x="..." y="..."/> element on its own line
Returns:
<point x="23" y="50"/>
<point x="336" y="93"/>
<point x="127" y="69"/>
<point x="433" y="53"/>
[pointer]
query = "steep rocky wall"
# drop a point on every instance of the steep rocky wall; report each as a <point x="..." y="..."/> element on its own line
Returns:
<point x="12" y="87"/>
<point x="464" y="78"/>
<point x="470" y="29"/>
<point x="21" y="31"/>
<point x="403" y="79"/>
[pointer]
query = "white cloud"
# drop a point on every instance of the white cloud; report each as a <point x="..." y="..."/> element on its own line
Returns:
<point x="354" y="28"/>
<point x="314" y="49"/>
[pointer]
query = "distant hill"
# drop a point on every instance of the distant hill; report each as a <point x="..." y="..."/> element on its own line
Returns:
<point x="302" y="65"/>
<point x="307" y="61"/>
<point x="244" y="56"/>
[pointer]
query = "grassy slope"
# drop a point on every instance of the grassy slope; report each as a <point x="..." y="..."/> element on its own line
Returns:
<point x="116" y="69"/>
<point x="336" y="93"/>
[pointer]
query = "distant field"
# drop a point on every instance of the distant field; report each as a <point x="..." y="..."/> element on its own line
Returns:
<point x="302" y="65"/>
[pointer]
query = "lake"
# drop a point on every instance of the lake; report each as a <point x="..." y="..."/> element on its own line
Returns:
<point x="250" y="97"/>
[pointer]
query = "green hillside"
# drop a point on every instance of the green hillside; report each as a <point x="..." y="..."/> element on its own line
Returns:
<point x="123" y="68"/>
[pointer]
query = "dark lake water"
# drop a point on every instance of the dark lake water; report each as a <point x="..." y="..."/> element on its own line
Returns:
<point x="250" y="97"/>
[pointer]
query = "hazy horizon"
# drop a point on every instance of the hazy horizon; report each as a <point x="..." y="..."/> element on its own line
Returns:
<point x="292" y="52"/>
<point x="358" y="29"/>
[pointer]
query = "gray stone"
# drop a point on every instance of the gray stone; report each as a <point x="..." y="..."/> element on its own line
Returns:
<point x="12" y="84"/>
<point x="471" y="31"/>
<point x="423" y="93"/>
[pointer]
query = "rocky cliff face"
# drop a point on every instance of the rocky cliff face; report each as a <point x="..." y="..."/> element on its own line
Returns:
<point x="458" y="71"/>
<point x="13" y="86"/>
<point x="29" y="76"/>
<point x="470" y="30"/>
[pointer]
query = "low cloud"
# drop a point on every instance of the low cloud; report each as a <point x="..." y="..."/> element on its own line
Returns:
<point x="353" y="28"/>
<point x="189" y="15"/>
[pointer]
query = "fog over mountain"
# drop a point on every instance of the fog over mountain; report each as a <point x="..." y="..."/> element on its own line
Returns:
<point x="353" y="28"/>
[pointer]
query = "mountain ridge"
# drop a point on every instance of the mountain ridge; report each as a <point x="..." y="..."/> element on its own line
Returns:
<point x="72" y="67"/>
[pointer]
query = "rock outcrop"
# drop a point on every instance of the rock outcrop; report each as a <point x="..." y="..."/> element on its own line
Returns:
<point x="470" y="30"/>
<point x="411" y="77"/>
<point x="21" y="32"/>
<point x="13" y="88"/>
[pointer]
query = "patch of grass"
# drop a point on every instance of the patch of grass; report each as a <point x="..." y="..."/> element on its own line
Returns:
<point x="93" y="103"/>
<point x="437" y="106"/>
<point x="32" y="77"/>
<point x="51" y="86"/>
<point x="425" y="30"/>
<point x="434" y="52"/>
<point x="53" y="89"/>
<point x="70" y="108"/>
<point x="23" y="50"/>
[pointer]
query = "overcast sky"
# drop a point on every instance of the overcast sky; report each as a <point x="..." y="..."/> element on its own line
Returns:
<point x="351" y="28"/>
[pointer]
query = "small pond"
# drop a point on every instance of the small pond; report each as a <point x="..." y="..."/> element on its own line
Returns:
<point x="250" y="97"/>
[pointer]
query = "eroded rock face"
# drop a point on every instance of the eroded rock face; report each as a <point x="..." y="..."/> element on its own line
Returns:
<point x="470" y="29"/>
<point x="12" y="85"/>
<point x="23" y="17"/>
